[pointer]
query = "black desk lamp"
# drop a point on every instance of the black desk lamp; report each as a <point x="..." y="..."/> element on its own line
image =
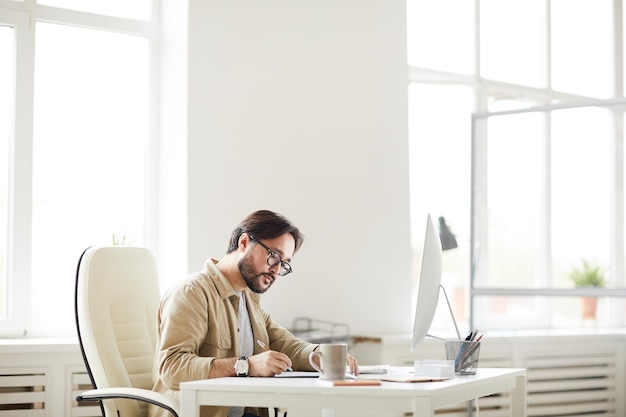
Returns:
<point x="448" y="241"/>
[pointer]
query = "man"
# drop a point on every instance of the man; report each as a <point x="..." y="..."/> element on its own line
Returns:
<point x="212" y="325"/>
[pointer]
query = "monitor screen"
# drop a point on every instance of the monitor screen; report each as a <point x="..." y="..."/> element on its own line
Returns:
<point x="429" y="283"/>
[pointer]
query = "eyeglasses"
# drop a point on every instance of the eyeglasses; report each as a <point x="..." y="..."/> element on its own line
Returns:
<point x="274" y="259"/>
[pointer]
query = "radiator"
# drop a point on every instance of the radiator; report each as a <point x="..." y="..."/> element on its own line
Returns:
<point x="28" y="392"/>
<point x="79" y="381"/>
<point x="23" y="392"/>
<point x="557" y="385"/>
<point x="571" y="385"/>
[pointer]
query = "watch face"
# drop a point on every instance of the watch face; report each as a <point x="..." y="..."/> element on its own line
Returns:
<point x="241" y="367"/>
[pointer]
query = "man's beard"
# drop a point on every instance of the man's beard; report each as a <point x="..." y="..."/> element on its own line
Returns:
<point x="250" y="276"/>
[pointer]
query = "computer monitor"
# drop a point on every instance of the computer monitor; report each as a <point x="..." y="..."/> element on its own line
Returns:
<point x="429" y="283"/>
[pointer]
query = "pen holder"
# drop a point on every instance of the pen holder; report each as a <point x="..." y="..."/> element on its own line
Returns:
<point x="464" y="354"/>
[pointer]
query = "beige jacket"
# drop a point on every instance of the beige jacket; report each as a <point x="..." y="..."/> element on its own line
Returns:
<point x="197" y="322"/>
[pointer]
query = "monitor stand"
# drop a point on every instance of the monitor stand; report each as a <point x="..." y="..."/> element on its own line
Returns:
<point x="451" y="315"/>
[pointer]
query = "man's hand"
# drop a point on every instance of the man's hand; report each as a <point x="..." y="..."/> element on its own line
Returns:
<point x="268" y="363"/>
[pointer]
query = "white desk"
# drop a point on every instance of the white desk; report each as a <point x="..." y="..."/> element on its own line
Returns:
<point x="420" y="398"/>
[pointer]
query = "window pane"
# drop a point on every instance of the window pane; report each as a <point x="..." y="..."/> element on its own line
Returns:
<point x="517" y="313"/>
<point x="132" y="9"/>
<point x="440" y="35"/>
<point x="512" y="41"/>
<point x="512" y="247"/>
<point x="439" y="155"/>
<point x="90" y="133"/>
<point x="581" y="47"/>
<point x="581" y="163"/>
<point x="7" y="65"/>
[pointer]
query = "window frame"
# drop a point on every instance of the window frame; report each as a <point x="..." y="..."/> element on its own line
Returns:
<point x="478" y="217"/>
<point x="538" y="98"/>
<point x="21" y="16"/>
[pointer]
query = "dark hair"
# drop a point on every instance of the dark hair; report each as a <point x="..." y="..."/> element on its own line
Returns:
<point x="265" y="224"/>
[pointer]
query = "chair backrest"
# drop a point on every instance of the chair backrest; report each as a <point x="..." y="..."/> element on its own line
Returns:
<point x="116" y="300"/>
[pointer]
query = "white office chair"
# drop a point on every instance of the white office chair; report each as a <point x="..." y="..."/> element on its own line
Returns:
<point x="116" y="300"/>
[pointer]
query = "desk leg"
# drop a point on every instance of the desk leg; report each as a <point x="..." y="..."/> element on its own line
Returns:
<point x="518" y="398"/>
<point x="188" y="405"/>
<point x="328" y="412"/>
<point x="423" y="407"/>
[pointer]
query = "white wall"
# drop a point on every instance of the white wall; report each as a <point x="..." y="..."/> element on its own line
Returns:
<point x="300" y="106"/>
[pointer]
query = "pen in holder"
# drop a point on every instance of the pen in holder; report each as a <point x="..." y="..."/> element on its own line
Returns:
<point x="464" y="353"/>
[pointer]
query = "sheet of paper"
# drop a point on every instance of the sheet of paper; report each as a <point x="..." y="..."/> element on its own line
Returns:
<point x="298" y="374"/>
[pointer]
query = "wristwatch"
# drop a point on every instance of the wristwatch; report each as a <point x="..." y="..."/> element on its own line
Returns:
<point x="242" y="366"/>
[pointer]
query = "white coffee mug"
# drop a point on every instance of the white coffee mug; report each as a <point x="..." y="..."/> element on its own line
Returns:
<point x="333" y="358"/>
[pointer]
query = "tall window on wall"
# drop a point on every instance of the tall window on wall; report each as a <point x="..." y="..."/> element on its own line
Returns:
<point x="516" y="121"/>
<point x="75" y="145"/>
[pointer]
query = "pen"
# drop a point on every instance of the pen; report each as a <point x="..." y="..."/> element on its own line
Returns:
<point x="258" y="342"/>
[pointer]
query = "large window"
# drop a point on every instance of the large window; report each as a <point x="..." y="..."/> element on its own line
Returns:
<point x="517" y="142"/>
<point x="75" y="138"/>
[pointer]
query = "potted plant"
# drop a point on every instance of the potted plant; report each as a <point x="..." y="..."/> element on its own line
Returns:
<point x="588" y="275"/>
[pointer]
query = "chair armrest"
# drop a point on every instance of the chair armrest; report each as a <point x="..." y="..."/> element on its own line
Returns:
<point x="170" y="404"/>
